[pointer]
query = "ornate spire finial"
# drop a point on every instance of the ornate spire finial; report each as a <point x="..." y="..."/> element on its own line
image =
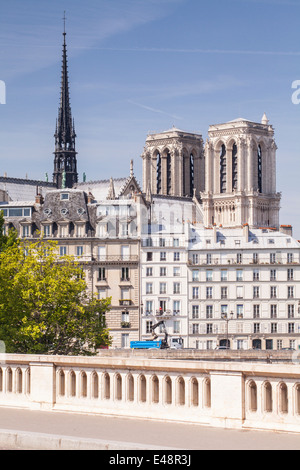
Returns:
<point x="65" y="153"/>
<point x="64" y="18"/>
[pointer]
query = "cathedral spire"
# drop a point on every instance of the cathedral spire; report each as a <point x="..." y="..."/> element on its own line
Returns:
<point x="65" y="155"/>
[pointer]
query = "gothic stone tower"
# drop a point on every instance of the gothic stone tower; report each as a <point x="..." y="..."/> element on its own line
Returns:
<point x="65" y="162"/>
<point x="240" y="176"/>
<point x="173" y="163"/>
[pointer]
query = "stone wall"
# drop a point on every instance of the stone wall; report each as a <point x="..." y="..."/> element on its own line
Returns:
<point x="164" y="385"/>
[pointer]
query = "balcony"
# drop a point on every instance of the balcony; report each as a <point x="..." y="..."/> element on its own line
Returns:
<point x="125" y="302"/>
<point x="116" y="259"/>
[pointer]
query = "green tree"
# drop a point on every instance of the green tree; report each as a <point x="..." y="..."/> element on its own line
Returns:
<point x="44" y="304"/>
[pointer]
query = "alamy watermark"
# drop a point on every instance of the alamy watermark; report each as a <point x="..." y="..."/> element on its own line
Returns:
<point x="296" y="94"/>
<point x="2" y="92"/>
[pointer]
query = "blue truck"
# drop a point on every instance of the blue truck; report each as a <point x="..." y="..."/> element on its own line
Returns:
<point x="155" y="343"/>
<point x="146" y="344"/>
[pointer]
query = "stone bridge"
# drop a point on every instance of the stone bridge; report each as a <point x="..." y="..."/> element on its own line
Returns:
<point x="229" y="389"/>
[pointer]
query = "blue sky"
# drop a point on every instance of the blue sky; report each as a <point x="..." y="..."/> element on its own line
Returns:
<point x="137" y="66"/>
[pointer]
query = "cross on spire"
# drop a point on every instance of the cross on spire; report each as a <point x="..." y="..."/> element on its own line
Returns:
<point x="64" y="18"/>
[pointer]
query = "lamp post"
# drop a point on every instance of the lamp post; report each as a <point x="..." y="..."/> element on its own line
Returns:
<point x="227" y="318"/>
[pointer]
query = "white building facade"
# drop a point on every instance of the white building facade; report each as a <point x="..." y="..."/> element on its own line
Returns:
<point x="244" y="289"/>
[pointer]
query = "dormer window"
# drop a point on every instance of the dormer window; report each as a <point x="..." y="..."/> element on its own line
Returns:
<point x="64" y="196"/>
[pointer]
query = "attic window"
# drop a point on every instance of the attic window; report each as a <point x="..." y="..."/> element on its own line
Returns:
<point x="64" y="196"/>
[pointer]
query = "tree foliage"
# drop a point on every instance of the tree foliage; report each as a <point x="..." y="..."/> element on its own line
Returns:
<point x="44" y="304"/>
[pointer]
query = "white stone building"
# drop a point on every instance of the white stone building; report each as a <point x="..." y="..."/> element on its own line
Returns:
<point x="164" y="266"/>
<point x="244" y="288"/>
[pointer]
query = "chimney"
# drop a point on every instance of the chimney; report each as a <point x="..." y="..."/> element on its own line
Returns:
<point x="246" y="232"/>
<point x="38" y="197"/>
<point x="286" y="229"/>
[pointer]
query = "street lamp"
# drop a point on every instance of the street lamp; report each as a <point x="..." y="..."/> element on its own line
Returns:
<point x="227" y="318"/>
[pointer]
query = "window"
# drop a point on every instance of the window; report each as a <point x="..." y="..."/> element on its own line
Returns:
<point x="162" y="242"/>
<point x="124" y="229"/>
<point x="26" y="231"/>
<point x="290" y="257"/>
<point x="272" y="258"/>
<point x="209" y="328"/>
<point x="195" y="259"/>
<point x="195" y="292"/>
<point x="223" y="292"/>
<point x="163" y="272"/>
<point x="273" y="311"/>
<point x="176" y="271"/>
<point x="256" y="292"/>
<point x="125" y="274"/>
<point x="195" y="311"/>
<point x="47" y="230"/>
<point x="149" y="272"/>
<point x="125" y="293"/>
<point x="176" y="327"/>
<point x="176" y="307"/>
<point x="256" y="327"/>
<point x="149" y="288"/>
<point x="64" y="197"/>
<point x="239" y="258"/>
<point x="255" y="275"/>
<point x="290" y="274"/>
<point x="148" y="327"/>
<point x="62" y="250"/>
<point x="239" y="292"/>
<point x="224" y="310"/>
<point x="209" y="275"/>
<point x="125" y="317"/>
<point x="223" y="275"/>
<point x="79" y="250"/>
<point x="255" y="258"/>
<point x="256" y="312"/>
<point x="290" y="292"/>
<point x="273" y="292"/>
<point x="209" y="292"/>
<point x="291" y="327"/>
<point x="208" y="258"/>
<point x="209" y="311"/>
<point x="125" y="340"/>
<point x="175" y="242"/>
<point x="163" y="256"/>
<point x="125" y="252"/>
<point x="223" y="169"/>
<point x="149" y="255"/>
<point x="101" y="291"/>
<point x="259" y="169"/>
<point x="273" y="327"/>
<point x="195" y="329"/>
<point x="291" y="311"/>
<point x="273" y="275"/>
<point x="162" y="287"/>
<point x="149" y="307"/>
<point x="176" y="288"/>
<point x="195" y="274"/>
<point x="101" y="274"/>
<point x="239" y="275"/>
<point x="176" y="256"/>
<point x="240" y="311"/>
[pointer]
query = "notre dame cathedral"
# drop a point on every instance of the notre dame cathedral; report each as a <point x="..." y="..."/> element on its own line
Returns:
<point x="232" y="175"/>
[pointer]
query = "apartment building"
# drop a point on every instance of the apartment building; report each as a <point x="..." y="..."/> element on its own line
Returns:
<point x="244" y="288"/>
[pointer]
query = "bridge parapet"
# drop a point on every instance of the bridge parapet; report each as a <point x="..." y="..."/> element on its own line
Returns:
<point x="163" y="385"/>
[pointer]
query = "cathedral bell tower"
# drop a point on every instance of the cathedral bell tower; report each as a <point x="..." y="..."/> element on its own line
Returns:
<point x="65" y="162"/>
<point x="240" y="175"/>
